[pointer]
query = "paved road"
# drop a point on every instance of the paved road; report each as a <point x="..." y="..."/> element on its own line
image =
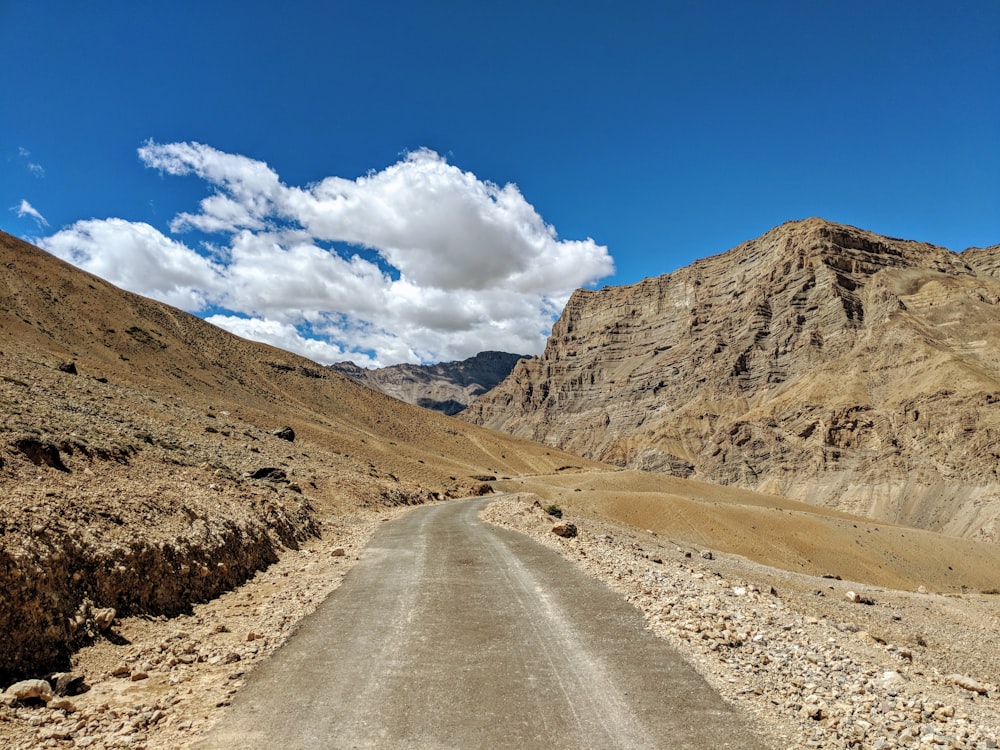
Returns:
<point x="451" y="633"/>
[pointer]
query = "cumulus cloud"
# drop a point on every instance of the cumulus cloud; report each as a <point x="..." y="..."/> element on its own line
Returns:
<point x="139" y="258"/>
<point x="26" y="209"/>
<point x="282" y="335"/>
<point x="430" y="262"/>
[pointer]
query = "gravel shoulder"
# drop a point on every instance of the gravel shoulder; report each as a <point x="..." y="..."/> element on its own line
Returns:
<point x="791" y="650"/>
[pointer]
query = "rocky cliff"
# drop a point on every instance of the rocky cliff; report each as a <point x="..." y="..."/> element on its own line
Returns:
<point x="447" y="387"/>
<point x="819" y="361"/>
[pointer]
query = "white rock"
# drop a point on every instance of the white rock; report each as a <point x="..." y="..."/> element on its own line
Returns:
<point x="29" y="689"/>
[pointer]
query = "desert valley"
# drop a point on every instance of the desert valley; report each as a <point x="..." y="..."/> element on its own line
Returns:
<point x="787" y="456"/>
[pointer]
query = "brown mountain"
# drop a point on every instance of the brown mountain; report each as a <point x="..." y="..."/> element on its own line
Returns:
<point x="139" y="468"/>
<point x="447" y="387"/>
<point x="819" y="361"/>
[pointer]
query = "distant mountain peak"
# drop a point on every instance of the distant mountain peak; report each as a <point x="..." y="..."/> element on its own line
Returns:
<point x="447" y="387"/>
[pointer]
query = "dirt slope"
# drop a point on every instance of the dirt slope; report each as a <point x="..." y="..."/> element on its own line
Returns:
<point x="150" y="478"/>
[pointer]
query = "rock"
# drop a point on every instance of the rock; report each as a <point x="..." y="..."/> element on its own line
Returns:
<point x="967" y="683"/>
<point x="285" y="433"/>
<point x="338" y="552"/>
<point x="63" y="705"/>
<point x="136" y="676"/>
<point x="104" y="617"/>
<point x="636" y="368"/>
<point x="68" y="367"/>
<point x="26" y="690"/>
<point x="122" y="670"/>
<point x="855" y="598"/>
<point x="564" y="529"/>
<point x="271" y="473"/>
<point x="67" y="683"/>
<point x="706" y="554"/>
<point x="41" y="452"/>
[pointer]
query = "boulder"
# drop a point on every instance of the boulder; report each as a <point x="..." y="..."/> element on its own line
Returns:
<point x="564" y="529"/>
<point x="104" y="617"/>
<point x="26" y="690"/>
<point x="285" y="433"/>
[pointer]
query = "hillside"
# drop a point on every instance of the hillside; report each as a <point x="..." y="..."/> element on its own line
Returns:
<point x="819" y="361"/>
<point x="447" y="387"/>
<point x="138" y="466"/>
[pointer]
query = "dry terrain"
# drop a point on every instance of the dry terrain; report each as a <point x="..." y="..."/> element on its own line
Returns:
<point x="149" y="461"/>
<point x="161" y="533"/>
<point x="891" y="669"/>
<point x="819" y="361"/>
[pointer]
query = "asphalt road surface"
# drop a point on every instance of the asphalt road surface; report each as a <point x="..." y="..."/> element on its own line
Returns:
<point x="451" y="633"/>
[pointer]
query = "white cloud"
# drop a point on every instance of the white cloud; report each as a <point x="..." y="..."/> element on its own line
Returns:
<point x="34" y="167"/>
<point x="282" y="335"/>
<point x="471" y="265"/>
<point x="26" y="209"/>
<point x="139" y="258"/>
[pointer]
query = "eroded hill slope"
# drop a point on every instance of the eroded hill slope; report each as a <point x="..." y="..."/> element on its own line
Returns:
<point x="138" y="466"/>
<point x="818" y="361"/>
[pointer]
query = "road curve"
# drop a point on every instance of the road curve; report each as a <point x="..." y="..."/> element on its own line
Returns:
<point x="451" y="633"/>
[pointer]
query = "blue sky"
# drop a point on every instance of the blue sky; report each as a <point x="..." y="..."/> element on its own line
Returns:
<point x="419" y="181"/>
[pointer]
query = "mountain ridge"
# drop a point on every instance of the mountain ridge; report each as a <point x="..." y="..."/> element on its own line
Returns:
<point x="819" y="361"/>
<point x="447" y="387"/>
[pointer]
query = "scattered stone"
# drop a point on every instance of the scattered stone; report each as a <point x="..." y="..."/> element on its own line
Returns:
<point x="27" y="690"/>
<point x="565" y="529"/>
<point x="967" y="683"/>
<point x="67" y="683"/>
<point x="285" y="433"/>
<point x="272" y="473"/>
<point x="104" y="617"/>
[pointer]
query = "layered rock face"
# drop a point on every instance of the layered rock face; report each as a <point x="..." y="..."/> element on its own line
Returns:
<point x="818" y="361"/>
<point x="447" y="387"/>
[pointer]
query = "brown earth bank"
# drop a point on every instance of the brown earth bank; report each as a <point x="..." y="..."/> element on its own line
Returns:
<point x="819" y="361"/>
<point x="149" y="460"/>
<point x="774" y="531"/>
